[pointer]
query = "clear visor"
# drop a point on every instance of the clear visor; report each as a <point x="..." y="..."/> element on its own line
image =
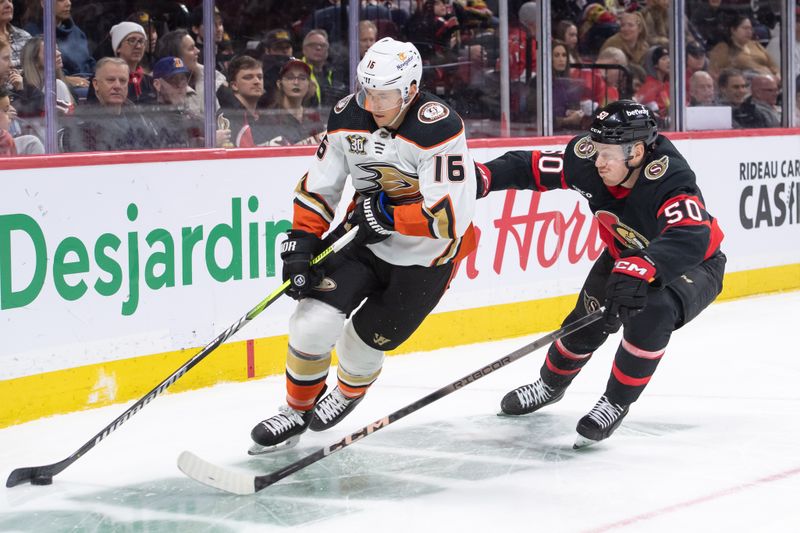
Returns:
<point x="377" y="100"/>
<point x="605" y="153"/>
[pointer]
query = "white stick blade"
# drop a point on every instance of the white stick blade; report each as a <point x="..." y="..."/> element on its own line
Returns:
<point x="214" y="476"/>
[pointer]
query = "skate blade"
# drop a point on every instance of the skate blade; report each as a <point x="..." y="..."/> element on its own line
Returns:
<point x="257" y="449"/>
<point x="583" y="442"/>
<point x="510" y="415"/>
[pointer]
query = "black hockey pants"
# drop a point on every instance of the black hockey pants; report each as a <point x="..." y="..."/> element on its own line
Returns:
<point x="645" y="335"/>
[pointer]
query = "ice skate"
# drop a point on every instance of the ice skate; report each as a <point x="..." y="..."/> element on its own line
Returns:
<point x="332" y="409"/>
<point x="279" y="432"/>
<point x="600" y="423"/>
<point x="529" y="398"/>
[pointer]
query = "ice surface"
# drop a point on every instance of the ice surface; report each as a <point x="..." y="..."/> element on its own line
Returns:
<point x="712" y="446"/>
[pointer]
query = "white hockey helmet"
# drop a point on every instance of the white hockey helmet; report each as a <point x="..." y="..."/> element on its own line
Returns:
<point x="389" y="65"/>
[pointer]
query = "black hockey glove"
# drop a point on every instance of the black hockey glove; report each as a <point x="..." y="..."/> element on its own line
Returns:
<point x="374" y="217"/>
<point x="626" y="288"/>
<point x="297" y="251"/>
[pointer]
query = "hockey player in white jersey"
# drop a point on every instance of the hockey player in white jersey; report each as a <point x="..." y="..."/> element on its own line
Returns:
<point x="406" y="153"/>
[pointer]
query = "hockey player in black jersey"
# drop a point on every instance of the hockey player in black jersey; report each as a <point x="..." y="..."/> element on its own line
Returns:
<point x="661" y="268"/>
<point x="406" y="153"/>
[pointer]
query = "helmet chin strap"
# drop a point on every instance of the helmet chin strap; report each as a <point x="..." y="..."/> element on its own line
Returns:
<point x="629" y="174"/>
<point x="630" y="168"/>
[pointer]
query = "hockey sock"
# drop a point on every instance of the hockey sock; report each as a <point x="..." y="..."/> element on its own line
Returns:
<point x="633" y="367"/>
<point x="562" y="365"/>
<point x="353" y="386"/>
<point x="305" y="378"/>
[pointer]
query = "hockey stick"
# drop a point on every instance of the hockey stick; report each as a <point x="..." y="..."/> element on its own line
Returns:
<point x="43" y="475"/>
<point x="242" y="483"/>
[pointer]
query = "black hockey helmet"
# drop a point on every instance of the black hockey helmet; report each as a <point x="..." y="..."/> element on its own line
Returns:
<point x="624" y="122"/>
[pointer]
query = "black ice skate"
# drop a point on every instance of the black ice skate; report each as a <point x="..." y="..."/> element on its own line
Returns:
<point x="279" y="432"/>
<point x="600" y="423"/>
<point x="332" y="409"/>
<point x="529" y="398"/>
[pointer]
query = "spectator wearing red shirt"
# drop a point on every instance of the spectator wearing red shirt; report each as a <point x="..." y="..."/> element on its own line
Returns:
<point x="654" y="93"/>
<point x="601" y="85"/>
<point x="522" y="44"/>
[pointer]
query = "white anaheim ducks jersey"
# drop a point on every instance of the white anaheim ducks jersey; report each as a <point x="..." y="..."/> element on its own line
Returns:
<point x="424" y="167"/>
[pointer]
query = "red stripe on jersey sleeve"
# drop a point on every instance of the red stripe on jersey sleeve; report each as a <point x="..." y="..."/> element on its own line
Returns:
<point x="680" y="198"/>
<point x="689" y="222"/>
<point x="537" y="178"/>
<point x="716" y="239"/>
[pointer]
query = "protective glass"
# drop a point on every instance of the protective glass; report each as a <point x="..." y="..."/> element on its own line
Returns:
<point x="378" y="101"/>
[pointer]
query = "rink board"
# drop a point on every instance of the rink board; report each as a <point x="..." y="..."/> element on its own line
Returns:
<point x="116" y="268"/>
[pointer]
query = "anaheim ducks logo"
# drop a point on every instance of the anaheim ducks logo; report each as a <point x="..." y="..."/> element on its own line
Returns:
<point x="432" y="112"/>
<point x="585" y="148"/>
<point x="341" y="104"/>
<point x="621" y="232"/>
<point x="326" y="285"/>
<point x="657" y="168"/>
<point x="401" y="187"/>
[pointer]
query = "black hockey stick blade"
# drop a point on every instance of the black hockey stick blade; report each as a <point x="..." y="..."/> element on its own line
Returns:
<point x="43" y="475"/>
<point x="243" y="483"/>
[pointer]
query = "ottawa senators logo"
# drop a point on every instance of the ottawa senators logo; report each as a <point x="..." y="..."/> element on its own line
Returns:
<point x="621" y="232"/>
<point x="585" y="148"/>
<point x="657" y="168"/>
<point x="432" y="112"/>
<point x="400" y="186"/>
<point x="590" y="303"/>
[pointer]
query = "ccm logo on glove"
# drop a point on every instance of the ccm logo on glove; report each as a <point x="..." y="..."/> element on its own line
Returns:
<point x="638" y="267"/>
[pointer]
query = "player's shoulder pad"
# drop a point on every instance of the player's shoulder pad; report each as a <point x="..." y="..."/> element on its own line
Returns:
<point x="579" y="153"/>
<point x="347" y="114"/>
<point x="665" y="163"/>
<point x="430" y="122"/>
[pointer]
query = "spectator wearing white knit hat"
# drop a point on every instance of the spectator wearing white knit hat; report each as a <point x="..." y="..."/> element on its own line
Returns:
<point x="129" y="42"/>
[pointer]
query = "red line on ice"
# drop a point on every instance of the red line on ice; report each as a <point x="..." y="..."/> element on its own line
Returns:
<point x="696" y="501"/>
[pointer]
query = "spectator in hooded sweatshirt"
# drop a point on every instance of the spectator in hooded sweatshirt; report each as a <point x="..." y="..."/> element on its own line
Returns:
<point x="654" y="93"/>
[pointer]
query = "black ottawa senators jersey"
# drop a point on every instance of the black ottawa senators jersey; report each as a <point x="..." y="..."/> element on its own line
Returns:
<point x="424" y="167"/>
<point x="664" y="212"/>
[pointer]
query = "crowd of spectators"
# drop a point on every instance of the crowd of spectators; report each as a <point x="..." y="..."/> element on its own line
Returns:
<point x="130" y="74"/>
<point x="729" y="43"/>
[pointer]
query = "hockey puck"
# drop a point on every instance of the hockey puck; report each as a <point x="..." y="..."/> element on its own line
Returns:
<point x="42" y="480"/>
